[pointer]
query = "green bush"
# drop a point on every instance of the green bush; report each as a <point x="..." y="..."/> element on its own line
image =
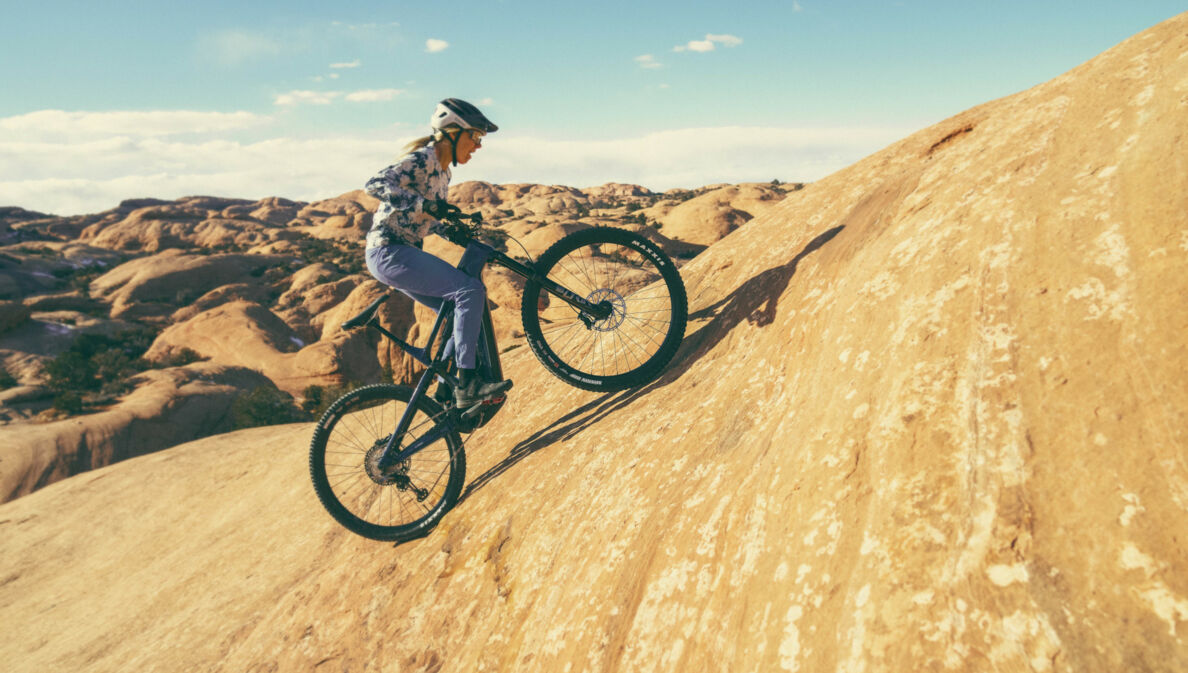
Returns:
<point x="96" y="368"/>
<point x="7" y="380"/>
<point x="316" y="399"/>
<point x="264" y="405"/>
<point x="178" y="358"/>
<point x="69" y="402"/>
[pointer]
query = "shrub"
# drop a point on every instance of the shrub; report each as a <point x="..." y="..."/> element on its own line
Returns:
<point x="68" y="402"/>
<point x="96" y="367"/>
<point x="7" y="380"/>
<point x="316" y="399"/>
<point x="264" y="405"/>
<point x="178" y="358"/>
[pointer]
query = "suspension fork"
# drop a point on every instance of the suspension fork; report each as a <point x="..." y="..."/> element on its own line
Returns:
<point x="600" y="311"/>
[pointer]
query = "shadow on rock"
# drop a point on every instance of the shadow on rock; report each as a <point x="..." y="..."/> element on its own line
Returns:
<point x="754" y="301"/>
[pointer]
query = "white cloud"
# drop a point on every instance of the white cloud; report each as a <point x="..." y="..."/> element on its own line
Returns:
<point x="487" y="101"/>
<point x="648" y="61"/>
<point x="61" y="125"/>
<point x="348" y="64"/>
<point x="796" y="6"/>
<point x="300" y="97"/>
<point x="233" y="47"/>
<point x="372" y="95"/>
<point x="433" y="45"/>
<point x="725" y="40"/>
<point x="709" y="43"/>
<point x="65" y="175"/>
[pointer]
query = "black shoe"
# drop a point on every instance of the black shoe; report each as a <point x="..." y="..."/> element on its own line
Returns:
<point x="477" y="391"/>
<point x="444" y="395"/>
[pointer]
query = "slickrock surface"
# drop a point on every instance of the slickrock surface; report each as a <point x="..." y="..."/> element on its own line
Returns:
<point x="930" y="415"/>
<point x="174" y="406"/>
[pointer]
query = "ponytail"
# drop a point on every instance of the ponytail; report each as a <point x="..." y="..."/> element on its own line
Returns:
<point x="418" y="144"/>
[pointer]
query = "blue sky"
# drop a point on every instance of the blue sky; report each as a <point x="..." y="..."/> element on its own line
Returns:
<point x="122" y="99"/>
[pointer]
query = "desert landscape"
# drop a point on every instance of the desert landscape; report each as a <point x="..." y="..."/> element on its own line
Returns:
<point x="929" y="414"/>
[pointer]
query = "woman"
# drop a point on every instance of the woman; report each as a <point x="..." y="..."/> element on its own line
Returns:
<point x="412" y="195"/>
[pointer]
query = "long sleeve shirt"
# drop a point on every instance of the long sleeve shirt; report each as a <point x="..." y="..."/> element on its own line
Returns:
<point x="402" y="189"/>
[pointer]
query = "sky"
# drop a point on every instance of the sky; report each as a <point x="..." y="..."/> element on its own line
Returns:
<point x="106" y="101"/>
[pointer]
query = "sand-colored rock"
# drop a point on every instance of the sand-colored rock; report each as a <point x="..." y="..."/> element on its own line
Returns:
<point x="343" y="217"/>
<point x="170" y="407"/>
<point x="710" y="216"/>
<point x="160" y="284"/>
<point x="253" y="292"/>
<point x="929" y="415"/>
<point x="246" y="334"/>
<point x="274" y="210"/>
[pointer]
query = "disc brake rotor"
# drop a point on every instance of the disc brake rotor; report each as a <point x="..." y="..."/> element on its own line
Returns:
<point x="618" y="309"/>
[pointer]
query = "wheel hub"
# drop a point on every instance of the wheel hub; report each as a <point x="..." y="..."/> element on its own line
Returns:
<point x="618" y="309"/>
<point x="378" y="475"/>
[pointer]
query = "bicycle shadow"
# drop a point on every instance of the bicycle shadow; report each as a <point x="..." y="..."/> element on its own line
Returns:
<point x="754" y="301"/>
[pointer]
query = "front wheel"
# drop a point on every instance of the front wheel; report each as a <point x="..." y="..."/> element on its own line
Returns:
<point x="640" y="284"/>
<point x="403" y="501"/>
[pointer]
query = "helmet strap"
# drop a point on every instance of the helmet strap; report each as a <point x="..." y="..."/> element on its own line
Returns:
<point x="454" y="146"/>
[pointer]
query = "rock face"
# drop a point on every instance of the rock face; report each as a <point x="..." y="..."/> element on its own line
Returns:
<point x="174" y="406"/>
<point x="929" y="415"/>
<point x="246" y="334"/>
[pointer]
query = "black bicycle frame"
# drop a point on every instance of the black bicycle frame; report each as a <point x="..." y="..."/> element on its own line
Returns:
<point x="476" y="256"/>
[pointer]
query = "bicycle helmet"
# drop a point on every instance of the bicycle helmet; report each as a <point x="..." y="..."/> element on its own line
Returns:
<point x="460" y="113"/>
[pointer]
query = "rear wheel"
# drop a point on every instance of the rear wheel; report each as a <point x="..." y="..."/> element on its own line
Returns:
<point x="636" y="280"/>
<point x="404" y="501"/>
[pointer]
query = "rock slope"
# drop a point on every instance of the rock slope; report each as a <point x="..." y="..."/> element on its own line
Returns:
<point x="930" y="415"/>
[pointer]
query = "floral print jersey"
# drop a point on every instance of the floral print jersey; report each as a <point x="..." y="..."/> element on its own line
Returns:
<point x="401" y="189"/>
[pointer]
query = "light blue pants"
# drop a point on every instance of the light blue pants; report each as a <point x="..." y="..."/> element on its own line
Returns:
<point x="431" y="281"/>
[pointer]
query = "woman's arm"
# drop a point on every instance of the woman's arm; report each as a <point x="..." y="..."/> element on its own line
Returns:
<point x="396" y="184"/>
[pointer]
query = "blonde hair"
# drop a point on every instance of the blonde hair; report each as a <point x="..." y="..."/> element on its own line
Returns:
<point x="437" y="136"/>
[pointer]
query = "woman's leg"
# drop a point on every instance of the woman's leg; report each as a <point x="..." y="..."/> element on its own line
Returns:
<point x="430" y="280"/>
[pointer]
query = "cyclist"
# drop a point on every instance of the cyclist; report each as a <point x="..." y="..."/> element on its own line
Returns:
<point x="412" y="195"/>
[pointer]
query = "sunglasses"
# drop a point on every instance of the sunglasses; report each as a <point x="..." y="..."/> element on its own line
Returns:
<point x="476" y="137"/>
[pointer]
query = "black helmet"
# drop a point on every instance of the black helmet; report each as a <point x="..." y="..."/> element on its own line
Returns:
<point x="459" y="112"/>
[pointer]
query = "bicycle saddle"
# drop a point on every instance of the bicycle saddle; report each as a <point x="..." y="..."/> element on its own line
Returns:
<point x="366" y="316"/>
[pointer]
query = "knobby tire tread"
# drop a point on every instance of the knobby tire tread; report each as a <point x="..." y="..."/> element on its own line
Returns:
<point x="647" y="371"/>
<point x="317" y="466"/>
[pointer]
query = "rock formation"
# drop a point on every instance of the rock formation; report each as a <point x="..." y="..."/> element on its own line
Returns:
<point x="929" y="415"/>
<point x="262" y="285"/>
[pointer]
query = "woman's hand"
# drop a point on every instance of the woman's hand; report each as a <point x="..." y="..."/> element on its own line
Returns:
<point x="440" y="209"/>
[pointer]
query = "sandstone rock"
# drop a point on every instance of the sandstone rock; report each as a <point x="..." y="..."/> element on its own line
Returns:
<point x="929" y="414"/>
<point x="74" y="300"/>
<point x="158" y="285"/>
<point x="275" y="210"/>
<point x="396" y="315"/>
<point x="245" y="334"/>
<point x="541" y="238"/>
<point x="616" y="191"/>
<point x="170" y="406"/>
<point x="473" y="194"/>
<point x="709" y="217"/>
<point x="252" y="292"/>
<point x="191" y="222"/>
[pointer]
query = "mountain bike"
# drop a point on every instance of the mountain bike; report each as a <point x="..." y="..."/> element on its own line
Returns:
<point x="604" y="309"/>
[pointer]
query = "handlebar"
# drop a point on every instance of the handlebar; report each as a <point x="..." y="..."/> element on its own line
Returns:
<point x="461" y="232"/>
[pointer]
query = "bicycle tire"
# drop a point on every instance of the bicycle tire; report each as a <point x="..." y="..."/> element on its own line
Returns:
<point x="641" y="336"/>
<point x="350" y="430"/>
